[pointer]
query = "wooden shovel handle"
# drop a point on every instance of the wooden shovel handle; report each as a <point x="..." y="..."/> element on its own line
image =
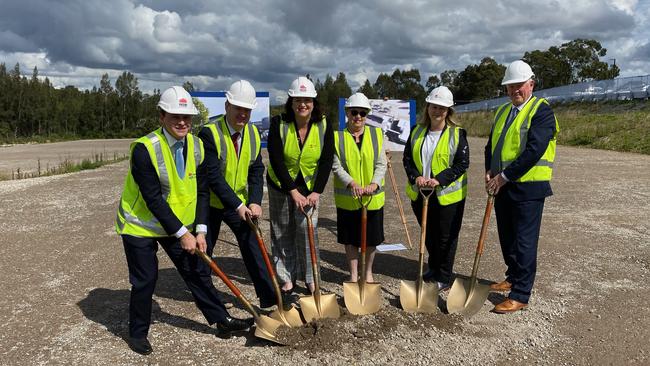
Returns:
<point x="425" y="210"/>
<point x="219" y="273"/>
<point x="260" y="243"/>
<point x="484" y="225"/>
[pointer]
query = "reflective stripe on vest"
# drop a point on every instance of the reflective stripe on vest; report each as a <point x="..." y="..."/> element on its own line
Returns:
<point x="443" y="157"/>
<point x="515" y="139"/>
<point x="133" y="216"/>
<point x="303" y="160"/>
<point x="234" y="168"/>
<point x="355" y="162"/>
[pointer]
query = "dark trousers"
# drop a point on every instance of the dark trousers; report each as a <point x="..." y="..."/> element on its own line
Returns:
<point x="519" y="224"/>
<point x="443" y="227"/>
<point x="249" y="249"/>
<point x="143" y="273"/>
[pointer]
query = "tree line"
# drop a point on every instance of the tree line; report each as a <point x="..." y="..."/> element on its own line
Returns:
<point x="32" y="109"/>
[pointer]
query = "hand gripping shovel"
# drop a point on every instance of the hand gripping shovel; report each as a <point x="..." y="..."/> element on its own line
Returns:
<point x="265" y="327"/>
<point x="420" y="296"/>
<point x="362" y="297"/>
<point x="290" y="315"/>
<point x="467" y="296"/>
<point x="318" y="305"/>
<point x="398" y="198"/>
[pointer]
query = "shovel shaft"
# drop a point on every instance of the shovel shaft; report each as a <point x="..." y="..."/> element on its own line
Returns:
<point x="312" y="253"/>
<point x="484" y="225"/>
<point x="481" y="238"/>
<point x="398" y="199"/>
<point x="228" y="283"/>
<point x="364" y="232"/>
<point x="260" y="243"/>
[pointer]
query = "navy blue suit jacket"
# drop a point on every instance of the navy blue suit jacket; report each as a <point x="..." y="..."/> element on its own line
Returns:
<point x="147" y="180"/>
<point x="542" y="129"/>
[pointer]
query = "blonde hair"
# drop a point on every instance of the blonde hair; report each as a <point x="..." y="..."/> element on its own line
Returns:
<point x="426" y="121"/>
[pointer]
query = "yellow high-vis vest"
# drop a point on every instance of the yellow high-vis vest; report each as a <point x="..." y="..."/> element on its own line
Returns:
<point x="305" y="160"/>
<point x="235" y="169"/>
<point x="443" y="157"/>
<point x="360" y="164"/>
<point x="133" y="216"/>
<point x="515" y="139"/>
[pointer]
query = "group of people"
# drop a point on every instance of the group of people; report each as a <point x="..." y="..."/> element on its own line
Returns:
<point x="181" y="188"/>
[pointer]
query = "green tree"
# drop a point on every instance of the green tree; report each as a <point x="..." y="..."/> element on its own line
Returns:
<point x="478" y="82"/>
<point x="432" y="82"/>
<point x="368" y="90"/>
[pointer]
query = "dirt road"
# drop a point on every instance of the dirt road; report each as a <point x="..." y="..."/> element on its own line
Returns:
<point x="65" y="285"/>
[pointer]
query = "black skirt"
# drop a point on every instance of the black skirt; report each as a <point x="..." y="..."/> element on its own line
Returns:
<point x="348" y="227"/>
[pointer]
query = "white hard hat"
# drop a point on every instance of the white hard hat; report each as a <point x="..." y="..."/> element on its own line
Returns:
<point x="358" y="100"/>
<point x="517" y="72"/>
<point x="302" y="87"/>
<point x="242" y="94"/>
<point x="441" y="96"/>
<point x="177" y="100"/>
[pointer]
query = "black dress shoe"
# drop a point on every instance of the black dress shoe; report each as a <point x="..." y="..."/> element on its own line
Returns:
<point x="427" y="276"/>
<point x="230" y="325"/>
<point x="288" y="299"/>
<point x="140" y="345"/>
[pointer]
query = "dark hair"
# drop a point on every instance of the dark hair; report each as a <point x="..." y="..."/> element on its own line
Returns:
<point x="289" y="115"/>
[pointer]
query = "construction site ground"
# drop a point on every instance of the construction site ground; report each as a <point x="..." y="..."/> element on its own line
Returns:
<point x="65" y="286"/>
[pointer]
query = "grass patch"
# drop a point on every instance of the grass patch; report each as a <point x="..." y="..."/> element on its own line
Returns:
<point x="67" y="166"/>
<point x="619" y="126"/>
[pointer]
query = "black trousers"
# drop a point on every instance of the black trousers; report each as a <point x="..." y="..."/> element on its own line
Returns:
<point x="443" y="227"/>
<point x="519" y="223"/>
<point x="143" y="274"/>
<point x="249" y="249"/>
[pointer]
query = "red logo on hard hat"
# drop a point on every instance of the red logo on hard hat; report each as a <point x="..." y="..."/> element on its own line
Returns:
<point x="182" y="100"/>
<point x="303" y="88"/>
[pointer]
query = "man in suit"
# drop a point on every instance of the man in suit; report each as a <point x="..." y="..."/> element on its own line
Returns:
<point x="519" y="160"/>
<point x="233" y="145"/>
<point x="164" y="199"/>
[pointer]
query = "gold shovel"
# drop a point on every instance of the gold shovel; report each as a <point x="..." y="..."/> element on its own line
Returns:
<point x="265" y="327"/>
<point x="317" y="305"/>
<point x="467" y="296"/>
<point x="290" y="317"/>
<point x="362" y="297"/>
<point x="420" y="296"/>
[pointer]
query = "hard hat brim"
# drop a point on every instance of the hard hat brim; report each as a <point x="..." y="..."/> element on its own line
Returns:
<point x="440" y="102"/>
<point x="250" y="106"/>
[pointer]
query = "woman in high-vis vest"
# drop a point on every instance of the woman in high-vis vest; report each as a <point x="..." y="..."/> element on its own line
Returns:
<point x="436" y="156"/>
<point x="300" y="148"/>
<point x="359" y="168"/>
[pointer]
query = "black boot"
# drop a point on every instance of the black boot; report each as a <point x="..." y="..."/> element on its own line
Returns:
<point x="140" y="345"/>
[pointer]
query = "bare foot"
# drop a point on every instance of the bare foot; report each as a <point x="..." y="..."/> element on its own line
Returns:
<point x="369" y="278"/>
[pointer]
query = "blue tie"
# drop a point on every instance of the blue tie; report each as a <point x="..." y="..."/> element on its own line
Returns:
<point x="178" y="158"/>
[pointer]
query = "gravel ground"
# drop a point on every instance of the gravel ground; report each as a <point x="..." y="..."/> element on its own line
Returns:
<point x="65" y="281"/>
<point x="27" y="157"/>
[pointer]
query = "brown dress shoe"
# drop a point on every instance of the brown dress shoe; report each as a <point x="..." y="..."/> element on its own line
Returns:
<point x="501" y="286"/>
<point x="509" y="306"/>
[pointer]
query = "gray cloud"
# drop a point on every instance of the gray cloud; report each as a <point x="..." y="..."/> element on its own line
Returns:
<point x="271" y="42"/>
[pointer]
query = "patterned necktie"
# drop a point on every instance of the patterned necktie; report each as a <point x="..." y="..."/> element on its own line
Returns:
<point x="178" y="158"/>
<point x="235" y="142"/>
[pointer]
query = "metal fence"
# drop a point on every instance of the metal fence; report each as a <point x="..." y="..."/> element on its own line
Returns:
<point x="635" y="87"/>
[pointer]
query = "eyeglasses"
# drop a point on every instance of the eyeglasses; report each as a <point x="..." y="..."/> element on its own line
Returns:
<point x="354" y="113"/>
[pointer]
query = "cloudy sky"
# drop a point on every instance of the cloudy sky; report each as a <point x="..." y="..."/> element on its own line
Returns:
<point x="270" y="42"/>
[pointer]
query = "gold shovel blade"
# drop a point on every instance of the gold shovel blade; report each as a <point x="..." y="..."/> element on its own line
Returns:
<point x="360" y="300"/>
<point x="425" y="302"/>
<point x="327" y="307"/>
<point x="465" y="300"/>
<point x="266" y="327"/>
<point x="290" y="318"/>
